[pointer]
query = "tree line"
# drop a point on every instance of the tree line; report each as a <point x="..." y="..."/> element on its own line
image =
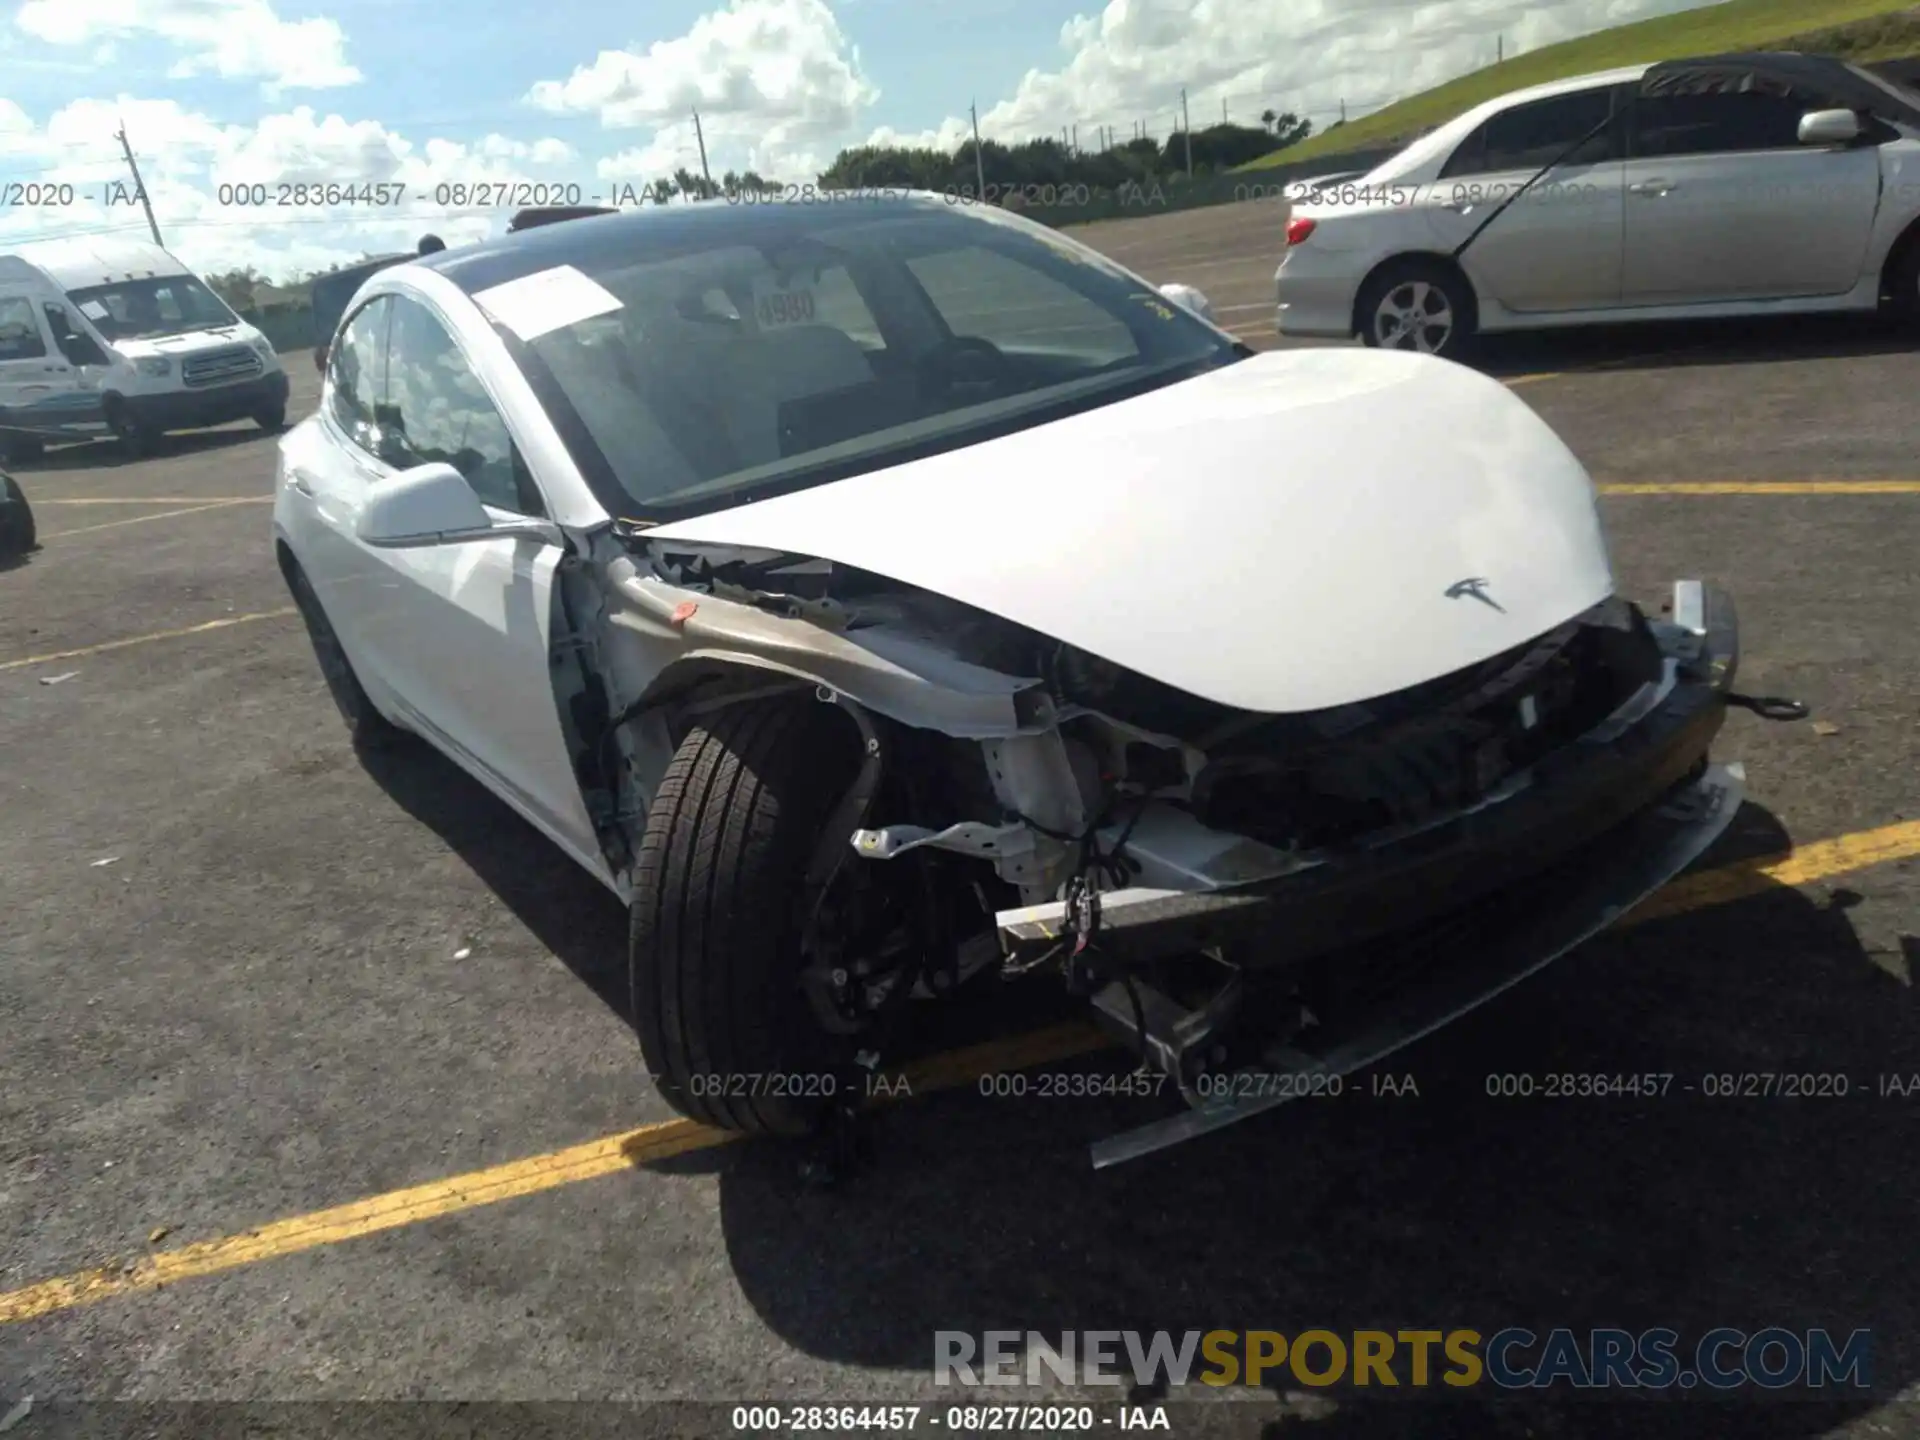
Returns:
<point x="1029" y="170"/>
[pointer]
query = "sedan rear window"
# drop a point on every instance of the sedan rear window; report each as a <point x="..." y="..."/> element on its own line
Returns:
<point x="1529" y="136"/>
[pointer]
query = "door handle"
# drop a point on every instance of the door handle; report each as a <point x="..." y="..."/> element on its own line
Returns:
<point x="1655" y="188"/>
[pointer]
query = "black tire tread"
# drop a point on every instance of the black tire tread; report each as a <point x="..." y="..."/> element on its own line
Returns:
<point x="727" y="842"/>
<point x="21" y="537"/>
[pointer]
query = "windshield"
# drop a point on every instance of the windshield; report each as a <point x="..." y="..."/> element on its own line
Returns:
<point x="148" y="309"/>
<point x="763" y="354"/>
<point x="1904" y="94"/>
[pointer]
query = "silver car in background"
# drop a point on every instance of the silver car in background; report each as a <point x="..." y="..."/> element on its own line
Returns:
<point x="1692" y="189"/>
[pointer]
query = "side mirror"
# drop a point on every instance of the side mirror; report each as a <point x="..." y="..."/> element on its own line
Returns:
<point x="433" y="504"/>
<point x="1830" y="127"/>
<point x="1189" y="297"/>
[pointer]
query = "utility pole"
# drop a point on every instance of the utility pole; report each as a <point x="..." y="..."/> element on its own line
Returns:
<point x="979" y="164"/>
<point x="1343" y="112"/>
<point x="138" y="188"/>
<point x="1223" y="111"/>
<point x="1500" y="50"/>
<point x="1076" y="139"/>
<point x="705" y="173"/>
<point x="1186" y="130"/>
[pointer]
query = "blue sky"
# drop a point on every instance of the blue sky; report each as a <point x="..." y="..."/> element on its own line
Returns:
<point x="218" y="92"/>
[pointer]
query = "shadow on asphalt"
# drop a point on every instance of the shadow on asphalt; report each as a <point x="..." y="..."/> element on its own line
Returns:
<point x="1668" y="345"/>
<point x="93" y="454"/>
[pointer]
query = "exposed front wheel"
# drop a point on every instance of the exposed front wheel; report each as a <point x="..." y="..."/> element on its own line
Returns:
<point x="730" y="955"/>
<point x="1418" y="305"/>
<point x="271" y="418"/>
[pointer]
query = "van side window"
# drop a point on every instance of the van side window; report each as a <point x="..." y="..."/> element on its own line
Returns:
<point x="436" y="409"/>
<point x="356" y="378"/>
<point x="19" y="330"/>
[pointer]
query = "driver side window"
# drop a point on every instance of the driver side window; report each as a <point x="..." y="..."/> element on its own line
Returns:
<point x="436" y="409"/>
<point x="355" y="373"/>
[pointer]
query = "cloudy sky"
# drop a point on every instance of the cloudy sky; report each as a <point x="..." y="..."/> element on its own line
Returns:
<point x="419" y="95"/>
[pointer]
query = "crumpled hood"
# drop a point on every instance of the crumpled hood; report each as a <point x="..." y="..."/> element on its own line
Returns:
<point x="1289" y="533"/>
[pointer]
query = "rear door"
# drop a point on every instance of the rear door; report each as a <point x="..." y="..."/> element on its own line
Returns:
<point x="1558" y="247"/>
<point x="1724" y="204"/>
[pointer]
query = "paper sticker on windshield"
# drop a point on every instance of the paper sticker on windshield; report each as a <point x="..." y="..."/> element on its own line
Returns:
<point x="791" y="303"/>
<point x="536" y="305"/>
<point x="93" y="310"/>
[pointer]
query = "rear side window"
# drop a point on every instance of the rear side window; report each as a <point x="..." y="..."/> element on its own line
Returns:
<point x="19" y="330"/>
<point x="1719" y="124"/>
<point x="355" y="373"/>
<point x="1529" y="136"/>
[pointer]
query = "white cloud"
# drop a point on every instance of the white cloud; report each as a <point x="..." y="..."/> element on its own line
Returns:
<point x="231" y="39"/>
<point x="777" y="84"/>
<point x="186" y="159"/>
<point x="1131" y="60"/>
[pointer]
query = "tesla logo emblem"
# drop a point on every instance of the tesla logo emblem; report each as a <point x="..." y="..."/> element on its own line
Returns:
<point x="1474" y="587"/>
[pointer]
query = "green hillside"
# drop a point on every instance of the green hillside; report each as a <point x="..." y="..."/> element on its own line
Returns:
<point x="1859" y="29"/>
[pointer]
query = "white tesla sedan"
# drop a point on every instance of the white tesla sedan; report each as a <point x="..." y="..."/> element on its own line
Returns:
<point x="1772" y="184"/>
<point x="880" y="593"/>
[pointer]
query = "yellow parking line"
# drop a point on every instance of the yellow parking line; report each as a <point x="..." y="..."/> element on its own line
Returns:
<point x="1763" y="487"/>
<point x="132" y="640"/>
<point x="156" y="500"/>
<point x="143" y="519"/>
<point x="1530" y="379"/>
<point x="1816" y="861"/>
<point x="628" y="1150"/>
<point x="634" y="1148"/>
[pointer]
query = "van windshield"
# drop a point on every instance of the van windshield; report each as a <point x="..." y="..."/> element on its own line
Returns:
<point x="148" y="309"/>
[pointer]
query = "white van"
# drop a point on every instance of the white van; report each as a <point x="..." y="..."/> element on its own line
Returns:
<point x="104" y="336"/>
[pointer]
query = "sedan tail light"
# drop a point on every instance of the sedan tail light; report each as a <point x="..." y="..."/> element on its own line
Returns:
<point x="1299" y="230"/>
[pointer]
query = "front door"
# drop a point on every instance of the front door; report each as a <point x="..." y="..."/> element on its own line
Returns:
<point x="1724" y="204"/>
<point x="466" y="630"/>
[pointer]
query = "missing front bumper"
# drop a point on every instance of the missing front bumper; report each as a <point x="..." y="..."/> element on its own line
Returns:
<point x="1587" y="892"/>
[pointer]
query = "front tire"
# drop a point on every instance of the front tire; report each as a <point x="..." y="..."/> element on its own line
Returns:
<point x="135" y="440"/>
<point x="366" y="726"/>
<point x="718" y="920"/>
<point x="1420" y="305"/>
<point x="271" y="418"/>
<point x="21" y="449"/>
<point x="1904" y="281"/>
<point x="17" y="533"/>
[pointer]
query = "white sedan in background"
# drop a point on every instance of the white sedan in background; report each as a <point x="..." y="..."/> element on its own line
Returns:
<point x="871" y="595"/>
<point x="1768" y="184"/>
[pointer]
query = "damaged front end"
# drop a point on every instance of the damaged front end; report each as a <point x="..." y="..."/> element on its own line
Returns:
<point x="1248" y="900"/>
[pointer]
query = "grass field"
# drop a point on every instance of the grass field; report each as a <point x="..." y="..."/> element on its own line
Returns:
<point x="1859" y="29"/>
